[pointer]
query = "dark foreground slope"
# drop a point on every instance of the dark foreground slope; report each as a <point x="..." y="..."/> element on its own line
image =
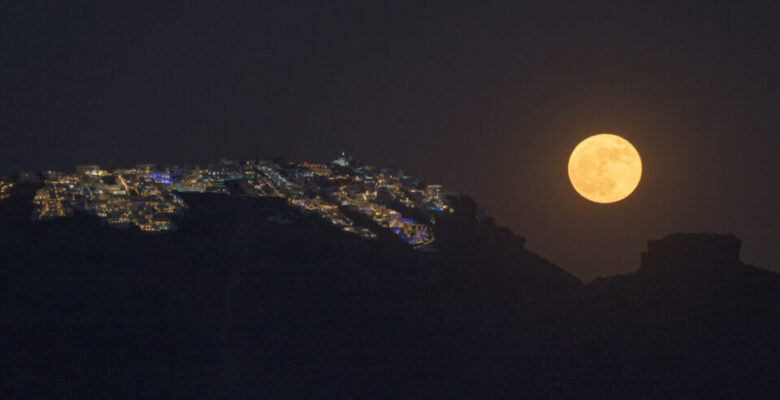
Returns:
<point x="235" y="306"/>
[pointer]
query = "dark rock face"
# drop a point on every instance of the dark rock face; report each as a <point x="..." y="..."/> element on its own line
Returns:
<point x="235" y="306"/>
<point x="693" y="322"/>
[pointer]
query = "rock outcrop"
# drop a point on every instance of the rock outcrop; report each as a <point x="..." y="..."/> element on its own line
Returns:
<point x="690" y="252"/>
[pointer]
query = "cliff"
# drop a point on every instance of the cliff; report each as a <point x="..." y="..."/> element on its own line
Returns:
<point x="235" y="304"/>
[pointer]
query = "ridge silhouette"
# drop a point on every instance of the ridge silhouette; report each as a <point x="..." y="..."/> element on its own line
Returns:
<point x="234" y="305"/>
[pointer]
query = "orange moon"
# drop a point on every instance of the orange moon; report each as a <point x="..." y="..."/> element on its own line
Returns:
<point x="605" y="168"/>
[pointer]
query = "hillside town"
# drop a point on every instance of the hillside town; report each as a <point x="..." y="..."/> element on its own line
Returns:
<point x="148" y="196"/>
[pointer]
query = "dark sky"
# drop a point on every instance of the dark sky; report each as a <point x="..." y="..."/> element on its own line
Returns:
<point x="485" y="99"/>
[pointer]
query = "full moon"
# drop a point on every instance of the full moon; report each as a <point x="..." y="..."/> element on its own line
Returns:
<point x="605" y="168"/>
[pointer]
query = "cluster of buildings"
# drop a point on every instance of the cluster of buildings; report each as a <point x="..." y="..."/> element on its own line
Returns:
<point x="147" y="196"/>
<point x="5" y="189"/>
<point x="121" y="198"/>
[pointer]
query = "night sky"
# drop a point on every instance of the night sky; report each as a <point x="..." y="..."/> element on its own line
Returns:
<point x="489" y="100"/>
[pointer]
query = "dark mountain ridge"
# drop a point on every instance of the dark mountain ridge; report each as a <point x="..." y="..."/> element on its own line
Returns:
<point x="236" y="304"/>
